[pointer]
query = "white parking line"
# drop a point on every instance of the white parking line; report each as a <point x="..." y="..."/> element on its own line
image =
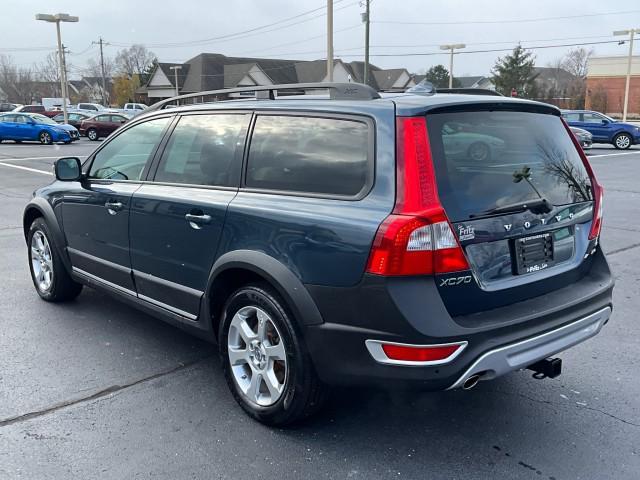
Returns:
<point x="26" y="168"/>
<point x="38" y="158"/>
<point x="613" y="154"/>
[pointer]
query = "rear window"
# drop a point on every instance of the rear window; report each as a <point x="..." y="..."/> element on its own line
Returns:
<point x="309" y="154"/>
<point x="489" y="159"/>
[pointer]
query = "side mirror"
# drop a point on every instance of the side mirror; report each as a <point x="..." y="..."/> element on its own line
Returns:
<point x="605" y="121"/>
<point x="68" y="169"/>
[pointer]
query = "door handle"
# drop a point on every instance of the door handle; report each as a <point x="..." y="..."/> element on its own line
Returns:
<point x="195" y="221"/>
<point x="113" y="207"/>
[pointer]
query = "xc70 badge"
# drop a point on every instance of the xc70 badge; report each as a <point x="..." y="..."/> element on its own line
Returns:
<point x="453" y="281"/>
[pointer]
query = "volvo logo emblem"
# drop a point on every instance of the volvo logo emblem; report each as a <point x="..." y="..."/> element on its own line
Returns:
<point x="507" y="227"/>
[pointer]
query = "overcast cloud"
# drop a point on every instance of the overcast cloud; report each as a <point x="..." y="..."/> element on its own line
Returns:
<point x="124" y="22"/>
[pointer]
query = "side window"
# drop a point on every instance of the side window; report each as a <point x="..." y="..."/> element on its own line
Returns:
<point x="202" y="150"/>
<point x="592" y="118"/>
<point x="20" y="119"/>
<point x="308" y="154"/>
<point x="571" y="117"/>
<point x="118" y="119"/>
<point x="124" y="157"/>
<point x="103" y="118"/>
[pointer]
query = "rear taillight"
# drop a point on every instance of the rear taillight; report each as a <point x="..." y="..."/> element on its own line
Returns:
<point x="596" y="189"/>
<point x="416" y="239"/>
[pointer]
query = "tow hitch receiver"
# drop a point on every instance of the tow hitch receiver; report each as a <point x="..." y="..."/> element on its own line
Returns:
<point x="547" y="368"/>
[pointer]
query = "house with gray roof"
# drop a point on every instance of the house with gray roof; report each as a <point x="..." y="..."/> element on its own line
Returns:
<point x="213" y="71"/>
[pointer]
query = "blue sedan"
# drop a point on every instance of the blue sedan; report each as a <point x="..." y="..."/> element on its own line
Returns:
<point x="32" y="126"/>
<point x="603" y="129"/>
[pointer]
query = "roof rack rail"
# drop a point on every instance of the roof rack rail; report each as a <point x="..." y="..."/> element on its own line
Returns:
<point x="337" y="91"/>
<point x="470" y="91"/>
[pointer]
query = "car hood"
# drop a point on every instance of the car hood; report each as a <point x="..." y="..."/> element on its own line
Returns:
<point x="64" y="126"/>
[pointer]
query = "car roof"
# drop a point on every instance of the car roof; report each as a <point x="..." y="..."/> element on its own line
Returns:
<point x="405" y="104"/>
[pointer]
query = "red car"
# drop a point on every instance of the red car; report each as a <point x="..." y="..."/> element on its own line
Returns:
<point x="36" y="109"/>
<point x="101" y="125"/>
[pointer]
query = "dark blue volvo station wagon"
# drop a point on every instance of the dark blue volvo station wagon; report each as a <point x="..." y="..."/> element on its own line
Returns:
<point x="427" y="240"/>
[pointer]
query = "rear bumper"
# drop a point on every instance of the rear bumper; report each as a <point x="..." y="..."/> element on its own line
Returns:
<point x="410" y="311"/>
<point x="521" y="354"/>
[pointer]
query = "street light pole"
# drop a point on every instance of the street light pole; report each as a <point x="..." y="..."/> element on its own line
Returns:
<point x="57" y="18"/>
<point x="175" y="69"/>
<point x="367" y="22"/>
<point x="330" y="40"/>
<point x="631" y="34"/>
<point x="451" y="48"/>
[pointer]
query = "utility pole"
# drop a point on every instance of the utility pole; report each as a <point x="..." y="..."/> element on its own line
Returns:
<point x="451" y="48"/>
<point x="631" y="34"/>
<point x="366" y="18"/>
<point x="330" y="40"/>
<point x="104" y="80"/>
<point x="64" y="71"/>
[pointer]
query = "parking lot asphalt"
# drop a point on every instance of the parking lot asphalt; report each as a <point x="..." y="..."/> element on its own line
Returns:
<point x="95" y="389"/>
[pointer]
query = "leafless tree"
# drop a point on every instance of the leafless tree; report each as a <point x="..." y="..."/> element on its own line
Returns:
<point x="135" y="60"/>
<point x="575" y="62"/>
<point x="93" y="68"/>
<point x="48" y="72"/>
<point x="17" y="84"/>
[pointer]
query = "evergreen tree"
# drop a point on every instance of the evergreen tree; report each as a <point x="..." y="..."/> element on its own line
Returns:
<point x="515" y="71"/>
<point x="438" y="75"/>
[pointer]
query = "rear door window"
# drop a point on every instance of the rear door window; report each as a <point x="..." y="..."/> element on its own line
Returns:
<point x="489" y="159"/>
<point x="202" y="150"/>
<point x="309" y="154"/>
<point x="592" y="118"/>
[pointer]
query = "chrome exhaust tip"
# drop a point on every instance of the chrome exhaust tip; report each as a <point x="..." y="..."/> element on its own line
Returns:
<point x="471" y="382"/>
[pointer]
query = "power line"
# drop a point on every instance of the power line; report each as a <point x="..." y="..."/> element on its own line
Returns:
<point x="467" y="52"/>
<point x="245" y="33"/>
<point x="301" y="40"/>
<point x="523" y="20"/>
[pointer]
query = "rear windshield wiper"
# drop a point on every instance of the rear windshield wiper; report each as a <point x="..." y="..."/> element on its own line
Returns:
<point x="541" y="205"/>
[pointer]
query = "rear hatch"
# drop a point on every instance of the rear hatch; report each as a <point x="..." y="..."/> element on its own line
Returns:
<point x="520" y="200"/>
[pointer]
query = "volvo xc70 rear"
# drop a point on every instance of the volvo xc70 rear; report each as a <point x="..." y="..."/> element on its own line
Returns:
<point x="429" y="241"/>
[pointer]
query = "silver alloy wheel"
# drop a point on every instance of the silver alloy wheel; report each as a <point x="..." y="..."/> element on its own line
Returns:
<point x="93" y="135"/>
<point x="257" y="356"/>
<point x="623" y="141"/>
<point x="41" y="261"/>
<point x="45" y="138"/>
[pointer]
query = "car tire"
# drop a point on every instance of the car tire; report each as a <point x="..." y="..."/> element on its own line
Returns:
<point x="45" y="138"/>
<point x="479" y="152"/>
<point x="622" y="141"/>
<point x="48" y="273"/>
<point x="272" y="377"/>
<point x="92" y="134"/>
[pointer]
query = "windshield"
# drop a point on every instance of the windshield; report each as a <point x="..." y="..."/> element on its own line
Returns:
<point x="42" y="119"/>
<point x="487" y="160"/>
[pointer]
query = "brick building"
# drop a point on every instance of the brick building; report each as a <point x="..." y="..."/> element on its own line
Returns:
<point x="606" y="77"/>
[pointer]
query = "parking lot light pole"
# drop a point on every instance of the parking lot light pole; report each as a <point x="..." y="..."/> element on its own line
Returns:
<point x="330" y="40"/>
<point x="451" y="48"/>
<point x="57" y="18"/>
<point x="631" y="34"/>
<point x="175" y="69"/>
